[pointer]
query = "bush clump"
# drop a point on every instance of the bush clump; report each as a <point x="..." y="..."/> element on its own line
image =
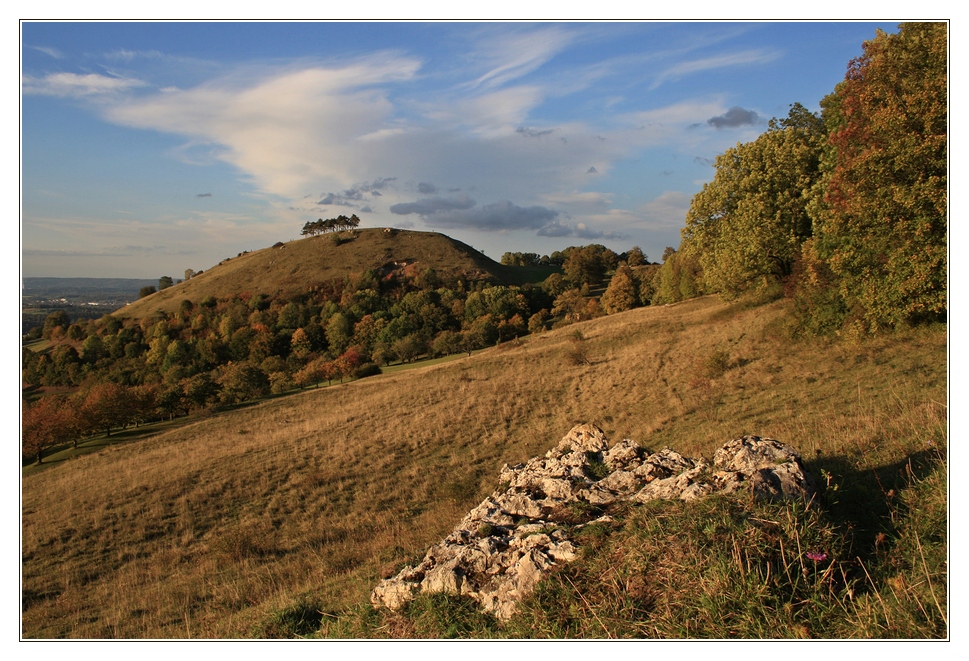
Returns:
<point x="367" y="369"/>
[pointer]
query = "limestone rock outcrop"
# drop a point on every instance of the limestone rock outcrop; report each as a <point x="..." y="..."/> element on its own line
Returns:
<point x="499" y="552"/>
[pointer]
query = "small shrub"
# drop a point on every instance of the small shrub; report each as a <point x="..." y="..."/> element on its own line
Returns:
<point x="486" y="530"/>
<point x="595" y="468"/>
<point x="577" y="355"/>
<point x="714" y="364"/>
<point x="342" y="237"/>
<point x="297" y="621"/>
<point x="367" y="369"/>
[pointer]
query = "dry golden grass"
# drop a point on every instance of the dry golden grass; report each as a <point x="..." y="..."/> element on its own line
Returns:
<point x="210" y="529"/>
<point x="297" y="265"/>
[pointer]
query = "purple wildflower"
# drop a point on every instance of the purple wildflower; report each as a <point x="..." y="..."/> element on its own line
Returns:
<point x="817" y="557"/>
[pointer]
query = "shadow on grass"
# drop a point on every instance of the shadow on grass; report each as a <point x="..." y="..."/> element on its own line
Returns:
<point x="866" y="501"/>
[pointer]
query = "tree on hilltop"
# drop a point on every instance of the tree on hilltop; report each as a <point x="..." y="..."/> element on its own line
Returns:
<point x="337" y="224"/>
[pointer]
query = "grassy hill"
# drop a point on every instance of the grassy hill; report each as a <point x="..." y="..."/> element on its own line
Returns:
<point x="278" y="519"/>
<point x="292" y="268"/>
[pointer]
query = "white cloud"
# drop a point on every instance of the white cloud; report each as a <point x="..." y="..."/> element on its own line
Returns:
<point x="78" y="85"/>
<point x="291" y="132"/>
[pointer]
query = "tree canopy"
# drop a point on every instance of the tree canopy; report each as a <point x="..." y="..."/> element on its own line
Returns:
<point x="337" y="224"/>
<point x="848" y="210"/>
<point x="880" y="216"/>
<point x="747" y="225"/>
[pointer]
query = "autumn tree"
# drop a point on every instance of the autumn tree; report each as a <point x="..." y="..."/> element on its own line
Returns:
<point x="300" y="344"/>
<point x="241" y="381"/>
<point x="45" y="424"/>
<point x="622" y="293"/>
<point x="570" y="305"/>
<point x="678" y="279"/>
<point x="55" y="320"/>
<point x="555" y="285"/>
<point x="106" y="405"/>
<point x="746" y="226"/>
<point x="635" y="257"/>
<point x="588" y="265"/>
<point x="339" y="332"/>
<point x="881" y="220"/>
<point x="408" y="348"/>
<point x="536" y="323"/>
<point x="200" y="390"/>
<point x="347" y="362"/>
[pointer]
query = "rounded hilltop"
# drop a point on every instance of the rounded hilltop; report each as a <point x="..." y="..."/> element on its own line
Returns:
<point x="289" y="269"/>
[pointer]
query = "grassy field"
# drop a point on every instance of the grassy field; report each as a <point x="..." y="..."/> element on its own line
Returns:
<point x="278" y="519"/>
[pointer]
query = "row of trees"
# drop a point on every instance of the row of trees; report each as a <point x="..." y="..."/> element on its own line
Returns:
<point x="582" y="263"/>
<point x="847" y="210"/>
<point x="337" y="224"/>
<point x="103" y="407"/>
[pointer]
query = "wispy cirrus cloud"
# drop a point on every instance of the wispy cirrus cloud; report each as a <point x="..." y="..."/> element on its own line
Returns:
<point x="511" y="56"/>
<point x="667" y="210"/>
<point x="689" y="67"/>
<point x="52" y="52"/>
<point x="78" y="85"/>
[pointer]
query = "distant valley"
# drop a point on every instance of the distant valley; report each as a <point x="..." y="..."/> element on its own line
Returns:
<point x="81" y="298"/>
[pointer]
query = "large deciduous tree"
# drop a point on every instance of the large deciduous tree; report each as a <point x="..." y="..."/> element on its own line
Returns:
<point x="241" y="382"/>
<point x="45" y="424"/>
<point x="622" y="293"/>
<point x="746" y="227"/>
<point x="881" y="220"/>
<point x="55" y="320"/>
<point x="107" y="405"/>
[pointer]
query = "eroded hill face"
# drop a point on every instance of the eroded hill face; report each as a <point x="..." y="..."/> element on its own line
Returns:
<point x="292" y="268"/>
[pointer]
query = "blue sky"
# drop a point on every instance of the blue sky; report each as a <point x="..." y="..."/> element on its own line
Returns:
<point x="151" y="148"/>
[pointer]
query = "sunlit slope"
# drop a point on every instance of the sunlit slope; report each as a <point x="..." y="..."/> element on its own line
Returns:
<point x="295" y="267"/>
<point x="214" y="529"/>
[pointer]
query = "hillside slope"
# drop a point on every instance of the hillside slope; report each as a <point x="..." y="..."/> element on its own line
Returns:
<point x="252" y="523"/>
<point x="295" y="267"/>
